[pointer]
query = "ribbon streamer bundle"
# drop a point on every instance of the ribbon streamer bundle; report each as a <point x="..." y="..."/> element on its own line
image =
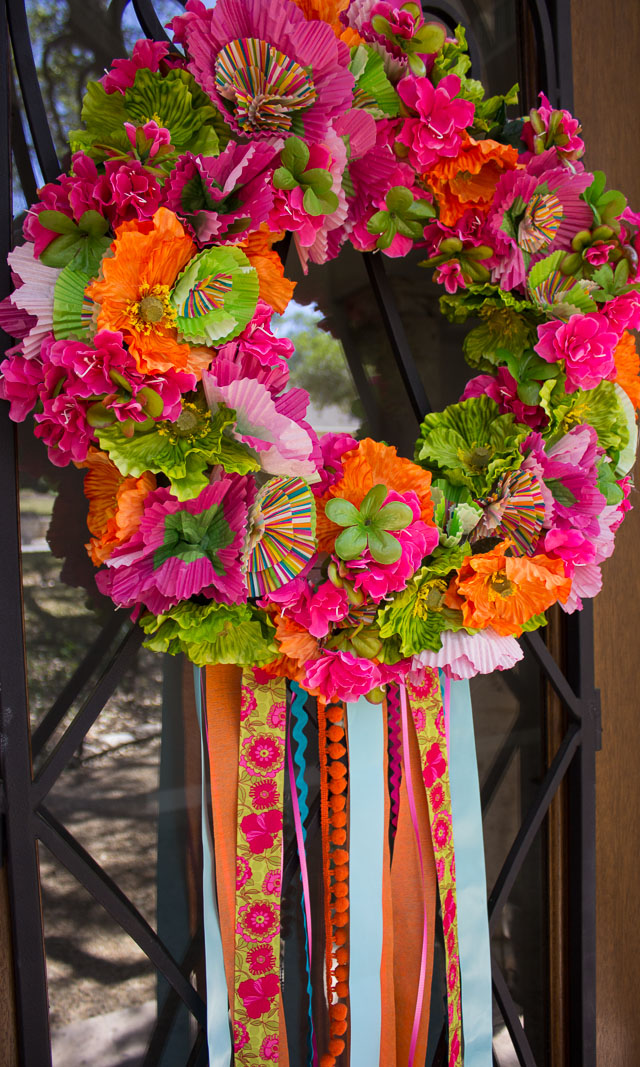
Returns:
<point x="340" y="576"/>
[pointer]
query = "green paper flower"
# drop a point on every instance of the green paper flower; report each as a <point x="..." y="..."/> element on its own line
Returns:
<point x="175" y="101"/>
<point x="471" y="443"/>
<point x="183" y="450"/>
<point x="455" y="512"/>
<point x="373" y="91"/>
<point x="212" y="633"/>
<point x="606" y="408"/>
<point x="417" y="615"/>
<point x="369" y="527"/>
<point x="192" y="537"/>
<point x="216" y="295"/>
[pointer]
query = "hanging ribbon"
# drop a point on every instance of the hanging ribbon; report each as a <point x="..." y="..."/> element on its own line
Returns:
<point x="218" y="1028"/>
<point x="299" y="794"/>
<point x="257" y="1004"/>
<point x="427" y="713"/>
<point x="366" y="838"/>
<point x="473" y="925"/>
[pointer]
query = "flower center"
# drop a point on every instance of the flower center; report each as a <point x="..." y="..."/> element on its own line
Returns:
<point x="263" y="84"/>
<point x="478" y="458"/>
<point x="430" y="598"/>
<point x="500" y="584"/>
<point x="152" y="309"/>
<point x="191" y="425"/>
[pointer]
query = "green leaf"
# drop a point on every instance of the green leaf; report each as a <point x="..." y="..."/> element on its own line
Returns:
<point x="89" y="255"/>
<point x="319" y="205"/>
<point x="57" y="222"/>
<point x="607" y="483"/>
<point x="399" y="199"/>
<point x="529" y="393"/>
<point x="295" y="155"/>
<point x="317" y="179"/>
<point x="379" y="222"/>
<point x="342" y="512"/>
<point x="351" y="543"/>
<point x="284" y="179"/>
<point x="394" y="516"/>
<point x="373" y="501"/>
<point x="94" y="224"/>
<point x="384" y="547"/>
<point x="60" y="251"/>
<point x="561" y="492"/>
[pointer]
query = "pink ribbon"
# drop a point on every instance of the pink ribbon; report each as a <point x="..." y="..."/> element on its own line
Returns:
<point x="447" y="708"/>
<point x="414" y="819"/>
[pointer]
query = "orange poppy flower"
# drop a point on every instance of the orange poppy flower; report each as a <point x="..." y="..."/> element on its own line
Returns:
<point x="115" y="504"/>
<point x="297" y="646"/>
<point x="493" y="589"/>
<point x="468" y="181"/>
<point x="133" y="292"/>
<point x="628" y="367"/>
<point x="373" y="463"/>
<point x="275" y="289"/>
<point x="329" y="11"/>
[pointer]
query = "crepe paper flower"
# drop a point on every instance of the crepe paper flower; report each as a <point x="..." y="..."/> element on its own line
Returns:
<point x="212" y="633"/>
<point x="262" y="754"/>
<point x="341" y="675"/>
<point x="275" y="290"/>
<point x="304" y="170"/>
<point x="569" y="471"/>
<point x="269" y="70"/>
<point x="368" y="527"/>
<point x="627" y="362"/>
<point x="261" y="960"/>
<point x="240" y="1036"/>
<point x="313" y="609"/>
<point x="503" y="388"/>
<point x="517" y="509"/>
<point x="586" y="582"/>
<point x="548" y="127"/>
<point x="467" y="182"/>
<point x="258" y="347"/>
<point x="273" y="427"/>
<point x="133" y="292"/>
<point x="172" y="100"/>
<point x="256" y="994"/>
<point x="269" y="1049"/>
<point x="221" y="197"/>
<point x="606" y="409"/>
<point x="465" y="655"/>
<point x="373" y="463"/>
<point x="264" y="794"/>
<point x="329" y="235"/>
<point x="33" y="295"/>
<point x="215" y="296"/>
<point x="145" y="55"/>
<point x="471" y="443"/>
<point x="437" y="118"/>
<point x="183" y="549"/>
<point x="418" y="615"/>
<point x="21" y="380"/>
<point x="333" y="446"/>
<point x="182" y="450"/>
<point x="261" y="830"/>
<point x="536" y="211"/>
<point x="623" y="312"/>
<point x="115" y="504"/>
<point x="401" y="30"/>
<point x="62" y="423"/>
<point x="505" y="592"/>
<point x="584" y="344"/>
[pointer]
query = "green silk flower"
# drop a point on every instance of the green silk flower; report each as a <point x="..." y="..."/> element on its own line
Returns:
<point x="369" y="526"/>
<point x="417" y="616"/>
<point x="212" y="633"/>
<point x="471" y="443"/>
<point x="175" y="102"/>
<point x="193" y="537"/>
<point x="183" y="450"/>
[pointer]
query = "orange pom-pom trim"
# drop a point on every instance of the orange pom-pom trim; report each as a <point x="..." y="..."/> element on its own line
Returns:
<point x="336" y="1047"/>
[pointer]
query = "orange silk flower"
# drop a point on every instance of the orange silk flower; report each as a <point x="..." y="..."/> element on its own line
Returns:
<point x="628" y="367"/>
<point x="493" y="589"/>
<point x="115" y="504"/>
<point x="468" y="181"/>
<point x="133" y="293"/>
<point x="275" y="289"/>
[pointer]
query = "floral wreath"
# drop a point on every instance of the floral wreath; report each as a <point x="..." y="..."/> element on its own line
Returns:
<point x="143" y="301"/>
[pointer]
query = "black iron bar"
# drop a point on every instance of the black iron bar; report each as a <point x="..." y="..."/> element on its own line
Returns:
<point x="394" y="327"/>
<point x="80" y="725"/>
<point x="169" y="1010"/>
<point x="21" y="155"/>
<point x="149" y="22"/>
<point x="546" y="48"/>
<point x="91" y="875"/>
<point x="70" y="692"/>
<point x="554" y="674"/>
<point x="23" y="876"/>
<point x="199" y="1055"/>
<point x="532" y="822"/>
<point x="30" y="89"/>
<point x="500" y="763"/>
<point x="511" y="1018"/>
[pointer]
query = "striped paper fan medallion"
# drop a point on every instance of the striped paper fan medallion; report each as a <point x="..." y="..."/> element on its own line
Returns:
<point x="281" y="534"/>
<point x="517" y="505"/>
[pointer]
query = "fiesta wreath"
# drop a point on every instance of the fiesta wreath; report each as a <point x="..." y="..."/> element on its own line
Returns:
<point x="144" y="294"/>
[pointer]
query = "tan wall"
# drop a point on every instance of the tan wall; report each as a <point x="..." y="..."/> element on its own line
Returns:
<point x="8" y="1045"/>
<point x="606" y="44"/>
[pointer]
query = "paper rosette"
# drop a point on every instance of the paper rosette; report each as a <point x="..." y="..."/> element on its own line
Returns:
<point x="282" y="534"/>
<point x="72" y="308"/>
<point x="215" y="296"/>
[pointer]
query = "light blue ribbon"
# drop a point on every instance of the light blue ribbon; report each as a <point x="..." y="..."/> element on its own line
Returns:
<point x="218" y="1028"/>
<point x="471" y="883"/>
<point x="366" y="851"/>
